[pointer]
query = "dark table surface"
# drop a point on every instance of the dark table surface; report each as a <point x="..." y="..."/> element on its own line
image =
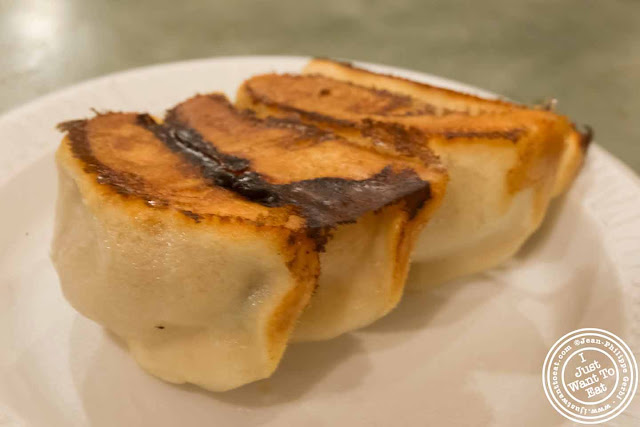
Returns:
<point x="585" y="53"/>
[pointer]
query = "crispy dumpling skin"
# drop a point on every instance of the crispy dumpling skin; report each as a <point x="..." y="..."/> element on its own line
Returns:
<point x="364" y="264"/>
<point x="202" y="255"/>
<point x="505" y="162"/>
<point x="203" y="285"/>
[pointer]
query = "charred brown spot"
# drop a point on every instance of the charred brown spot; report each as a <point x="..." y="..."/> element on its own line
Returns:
<point x="305" y="132"/>
<point x="405" y="140"/>
<point x="192" y="215"/>
<point x="512" y="135"/>
<point x="291" y="240"/>
<point x="295" y="113"/>
<point x="586" y="137"/>
<point x="226" y="171"/>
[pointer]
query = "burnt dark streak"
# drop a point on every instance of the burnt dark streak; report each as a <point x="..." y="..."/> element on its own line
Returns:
<point x="323" y="202"/>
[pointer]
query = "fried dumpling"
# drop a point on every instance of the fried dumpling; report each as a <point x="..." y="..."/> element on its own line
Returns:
<point x="505" y="161"/>
<point x="201" y="239"/>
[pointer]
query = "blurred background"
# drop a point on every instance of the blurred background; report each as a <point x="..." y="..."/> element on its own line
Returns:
<point x="585" y="53"/>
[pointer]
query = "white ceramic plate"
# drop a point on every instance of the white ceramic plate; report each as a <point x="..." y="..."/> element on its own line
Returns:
<point x="468" y="353"/>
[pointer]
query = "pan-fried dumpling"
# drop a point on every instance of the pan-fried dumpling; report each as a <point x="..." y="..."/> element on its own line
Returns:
<point x="505" y="161"/>
<point x="200" y="240"/>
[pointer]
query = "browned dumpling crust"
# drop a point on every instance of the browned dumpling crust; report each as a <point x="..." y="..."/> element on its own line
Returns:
<point x="200" y="239"/>
<point x="505" y="161"/>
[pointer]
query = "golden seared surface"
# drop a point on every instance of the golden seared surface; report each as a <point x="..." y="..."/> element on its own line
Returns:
<point x="282" y="151"/>
<point x="123" y="155"/>
<point x="439" y="116"/>
<point x="315" y="93"/>
<point x="329" y="100"/>
<point x="440" y="99"/>
<point x="208" y="158"/>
